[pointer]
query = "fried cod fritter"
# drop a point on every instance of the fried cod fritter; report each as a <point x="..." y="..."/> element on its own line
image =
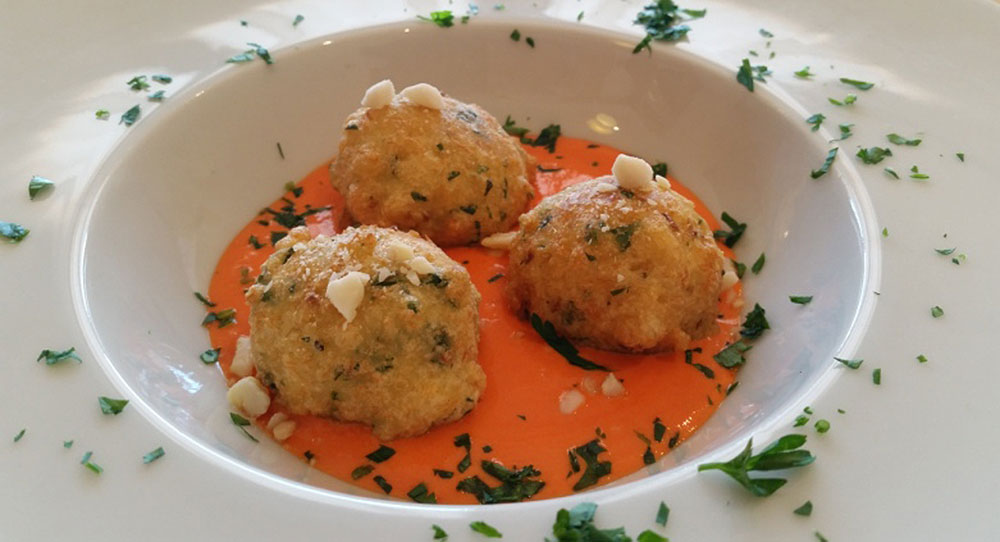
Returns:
<point x="371" y="325"/>
<point x="629" y="271"/>
<point x="446" y="169"/>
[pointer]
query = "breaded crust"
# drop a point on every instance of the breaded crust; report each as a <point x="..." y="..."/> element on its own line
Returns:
<point x="616" y="270"/>
<point x="406" y="362"/>
<point x="452" y="174"/>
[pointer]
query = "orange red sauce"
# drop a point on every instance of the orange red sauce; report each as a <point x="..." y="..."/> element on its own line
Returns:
<point x="518" y="417"/>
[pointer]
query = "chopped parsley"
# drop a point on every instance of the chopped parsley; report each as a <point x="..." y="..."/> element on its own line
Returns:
<point x="877" y="376"/>
<point x="204" y="300"/>
<point x="90" y="465"/>
<point x="873" y="155"/>
<point x="162" y="79"/>
<point x="468" y="209"/>
<point x="755" y="323"/>
<point x="222" y="318"/>
<point x="862" y="85"/>
<point x="53" y="357"/>
<point x="732" y="355"/>
<point x="515" y="35"/>
<point x="945" y="251"/>
<point x="138" y="83"/>
<point x="823" y="169"/>
<point x="37" y="185"/>
<point x="298" y="19"/>
<point x="758" y="265"/>
<point x="547" y="331"/>
<point x="210" y="356"/>
<point x="67" y="444"/>
<point x="383" y="453"/>
<point x="816" y="120"/>
<point x="383" y="484"/>
<point x="443" y="18"/>
<point x="922" y="358"/>
<point x="263" y="53"/>
<point x="530" y="41"/>
<point x="157" y="96"/>
<point x="495" y="278"/>
<point x="849" y="100"/>
<point x="485" y="529"/>
<point x="845" y="131"/>
<point x="547" y="137"/>
<point x="595" y="468"/>
<point x="255" y="243"/>
<point x="577" y="525"/>
<point x="851" y="363"/>
<point x="891" y="172"/>
<point x="961" y="156"/>
<point x="417" y="196"/>
<point x="660" y="19"/>
<point x="900" y="140"/>
<point x="441" y="473"/>
<point x="658" y="430"/>
<point x="129" y="117"/>
<point x="662" y="514"/>
<point x="650" y="536"/>
<point x="800" y="299"/>
<point x="744" y="75"/>
<point x="937" y="312"/>
<point x="439" y="533"/>
<point x="153" y="456"/>
<point x="689" y="359"/>
<point x="800" y="420"/>
<point x="242" y="423"/>
<point x="20" y="434"/>
<point x="736" y="229"/>
<point x="822" y="426"/>
<point x="915" y="174"/>
<point x="463" y="441"/>
<point x="511" y="127"/>
<point x="885" y="232"/>
<point x="783" y="453"/>
<point x="820" y="537"/>
<point x="515" y="484"/>
<point x="420" y="494"/>
<point x="102" y="114"/>
<point x="623" y="235"/>
<point x="290" y="186"/>
<point x="112" y="406"/>
<point x="13" y="233"/>
<point x="362" y="471"/>
<point x="805" y="510"/>
<point x="804" y="73"/>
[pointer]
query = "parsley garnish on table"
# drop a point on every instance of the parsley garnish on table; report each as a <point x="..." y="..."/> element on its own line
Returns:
<point x="515" y="484"/>
<point x="782" y="454"/>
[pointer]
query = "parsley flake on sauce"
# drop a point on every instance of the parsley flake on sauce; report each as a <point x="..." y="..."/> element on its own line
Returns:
<point x="515" y="35"/>
<point x="563" y="346"/>
<point x="420" y="494"/>
<point x="515" y="484"/>
<point x="383" y="484"/>
<point x="443" y="18"/>
<point x="783" y="453"/>
<point x="383" y="453"/>
<point x="595" y="468"/>
<point x="823" y="169"/>
<point x="37" y="185"/>
<point x="53" y="357"/>
<point x="547" y="137"/>
<point x="153" y="456"/>
<point x="111" y="406"/>
<point x="463" y="441"/>
<point x="485" y="529"/>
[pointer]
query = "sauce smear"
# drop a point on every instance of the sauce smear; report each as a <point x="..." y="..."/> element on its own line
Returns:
<point x="517" y="421"/>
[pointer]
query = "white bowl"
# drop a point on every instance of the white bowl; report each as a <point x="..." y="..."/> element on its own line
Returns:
<point x="167" y="201"/>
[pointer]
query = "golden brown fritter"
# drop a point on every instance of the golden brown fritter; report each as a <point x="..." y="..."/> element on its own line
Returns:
<point x="617" y="270"/>
<point x="407" y="358"/>
<point x="452" y="174"/>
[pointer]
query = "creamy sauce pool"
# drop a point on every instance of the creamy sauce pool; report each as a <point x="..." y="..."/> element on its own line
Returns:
<point x="517" y="421"/>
